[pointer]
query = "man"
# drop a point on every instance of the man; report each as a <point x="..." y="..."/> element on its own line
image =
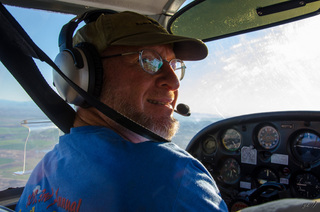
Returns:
<point x="102" y="166"/>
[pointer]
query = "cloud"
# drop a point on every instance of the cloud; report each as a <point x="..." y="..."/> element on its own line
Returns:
<point x="269" y="70"/>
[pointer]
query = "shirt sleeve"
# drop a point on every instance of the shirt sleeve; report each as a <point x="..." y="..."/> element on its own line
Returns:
<point x="198" y="191"/>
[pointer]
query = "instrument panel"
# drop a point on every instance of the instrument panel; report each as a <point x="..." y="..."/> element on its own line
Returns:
<point x="254" y="155"/>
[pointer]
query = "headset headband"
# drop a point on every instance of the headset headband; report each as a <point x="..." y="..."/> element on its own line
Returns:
<point x="66" y="34"/>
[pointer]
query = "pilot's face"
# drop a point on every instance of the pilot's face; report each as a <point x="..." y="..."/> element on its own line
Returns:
<point x="147" y="99"/>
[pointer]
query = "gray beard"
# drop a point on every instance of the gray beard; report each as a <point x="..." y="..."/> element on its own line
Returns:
<point x="166" y="127"/>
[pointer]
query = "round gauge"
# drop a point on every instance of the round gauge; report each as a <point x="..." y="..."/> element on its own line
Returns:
<point x="307" y="185"/>
<point x="268" y="137"/>
<point x="231" y="140"/>
<point x="230" y="171"/>
<point x="266" y="175"/>
<point x="306" y="147"/>
<point x="209" y="145"/>
<point x="238" y="205"/>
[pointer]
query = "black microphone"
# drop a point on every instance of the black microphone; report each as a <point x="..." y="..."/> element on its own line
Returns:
<point x="183" y="110"/>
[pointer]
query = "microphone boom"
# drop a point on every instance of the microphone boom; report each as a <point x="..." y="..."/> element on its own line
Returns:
<point x="183" y="110"/>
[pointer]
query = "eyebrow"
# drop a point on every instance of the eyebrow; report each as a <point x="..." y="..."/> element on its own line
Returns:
<point x="118" y="55"/>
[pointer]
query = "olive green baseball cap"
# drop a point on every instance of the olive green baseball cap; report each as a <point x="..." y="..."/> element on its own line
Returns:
<point x="133" y="29"/>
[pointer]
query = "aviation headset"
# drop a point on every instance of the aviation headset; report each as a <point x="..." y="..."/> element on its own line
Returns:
<point x="81" y="64"/>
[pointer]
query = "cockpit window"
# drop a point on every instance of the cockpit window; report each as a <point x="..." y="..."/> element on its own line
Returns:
<point x="26" y="134"/>
<point x="275" y="69"/>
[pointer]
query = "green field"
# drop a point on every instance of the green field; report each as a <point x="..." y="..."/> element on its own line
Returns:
<point x="13" y="141"/>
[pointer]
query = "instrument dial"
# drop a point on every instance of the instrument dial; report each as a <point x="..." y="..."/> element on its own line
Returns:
<point x="238" y="205"/>
<point x="306" y="147"/>
<point x="209" y="145"/>
<point x="266" y="175"/>
<point x="230" y="171"/>
<point x="307" y="185"/>
<point x="268" y="137"/>
<point x="231" y="140"/>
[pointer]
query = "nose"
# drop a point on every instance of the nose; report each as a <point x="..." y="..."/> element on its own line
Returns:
<point x="167" y="77"/>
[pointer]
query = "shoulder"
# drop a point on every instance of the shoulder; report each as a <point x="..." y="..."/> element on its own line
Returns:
<point x="197" y="190"/>
<point x="191" y="165"/>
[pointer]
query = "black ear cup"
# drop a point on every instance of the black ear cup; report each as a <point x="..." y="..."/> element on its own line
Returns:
<point x="89" y="77"/>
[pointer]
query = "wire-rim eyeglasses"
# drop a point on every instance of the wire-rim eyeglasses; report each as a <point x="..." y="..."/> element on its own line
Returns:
<point x="151" y="62"/>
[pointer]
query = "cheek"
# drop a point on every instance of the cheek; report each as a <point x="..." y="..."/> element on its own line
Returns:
<point x="116" y="73"/>
<point x="130" y="89"/>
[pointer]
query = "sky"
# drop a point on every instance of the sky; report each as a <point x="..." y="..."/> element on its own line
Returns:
<point x="275" y="69"/>
<point x="44" y="29"/>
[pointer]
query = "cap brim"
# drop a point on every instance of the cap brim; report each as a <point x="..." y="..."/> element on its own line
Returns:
<point x="184" y="48"/>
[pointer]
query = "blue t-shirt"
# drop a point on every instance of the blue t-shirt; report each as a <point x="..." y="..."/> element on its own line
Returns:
<point x="94" y="169"/>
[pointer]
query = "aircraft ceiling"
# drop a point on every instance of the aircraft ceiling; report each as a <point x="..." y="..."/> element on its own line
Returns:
<point x="147" y="7"/>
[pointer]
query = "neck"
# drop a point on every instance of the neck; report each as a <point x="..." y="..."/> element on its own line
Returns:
<point x="92" y="117"/>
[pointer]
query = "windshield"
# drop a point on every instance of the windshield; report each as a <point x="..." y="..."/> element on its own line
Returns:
<point x="275" y="69"/>
<point x="269" y="70"/>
